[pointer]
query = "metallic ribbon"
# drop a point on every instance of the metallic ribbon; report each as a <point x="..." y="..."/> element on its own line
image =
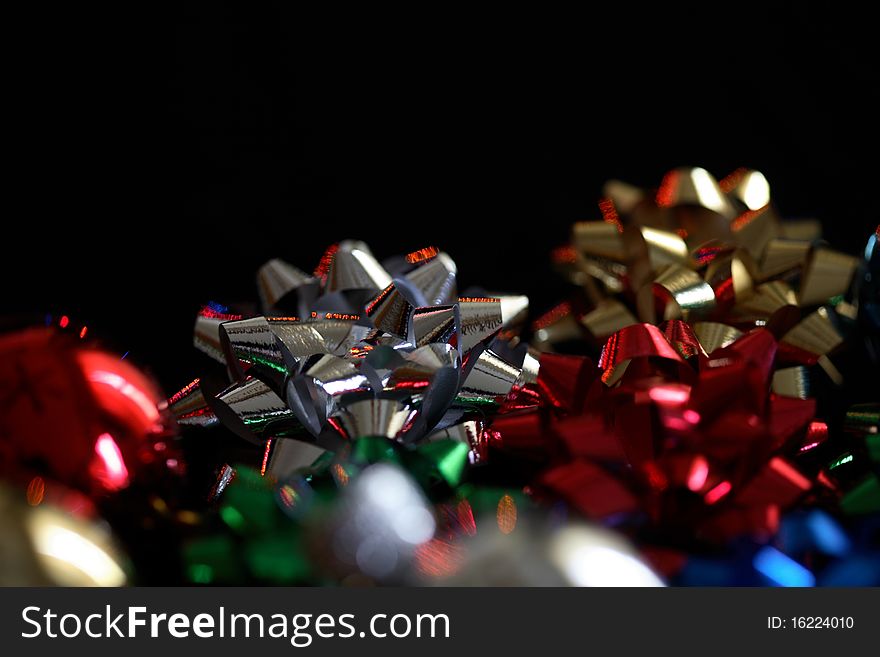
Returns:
<point x="372" y="353"/>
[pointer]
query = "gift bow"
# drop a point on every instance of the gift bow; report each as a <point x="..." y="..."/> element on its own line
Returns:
<point x="400" y="356"/>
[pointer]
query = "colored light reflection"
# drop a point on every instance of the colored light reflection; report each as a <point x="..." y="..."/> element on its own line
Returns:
<point x="827" y="534"/>
<point x="233" y="517"/>
<point x="707" y="254"/>
<point x="744" y="220"/>
<point x="789" y="473"/>
<point x="36" y="491"/>
<point x="289" y="496"/>
<point x="217" y="311"/>
<point x="698" y="474"/>
<point x="552" y="316"/>
<point x="781" y="569"/>
<point x="718" y="492"/>
<point x="465" y="515"/>
<point x="340" y="475"/>
<point x="266" y="452"/>
<point x="422" y="254"/>
<point x="704" y="186"/>
<point x="439" y="558"/>
<point x="183" y="392"/>
<point x="128" y="390"/>
<point x="324" y="263"/>
<point x="339" y="316"/>
<point x="731" y="180"/>
<point x="609" y="213"/>
<point x="563" y="255"/>
<point x="669" y="394"/>
<point x="817" y="431"/>
<point x="113" y="473"/>
<point x="656" y="478"/>
<point x="201" y="573"/>
<point x="505" y="514"/>
<point x="666" y="192"/>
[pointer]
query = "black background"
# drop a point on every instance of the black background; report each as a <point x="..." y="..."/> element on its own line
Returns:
<point x="158" y="159"/>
